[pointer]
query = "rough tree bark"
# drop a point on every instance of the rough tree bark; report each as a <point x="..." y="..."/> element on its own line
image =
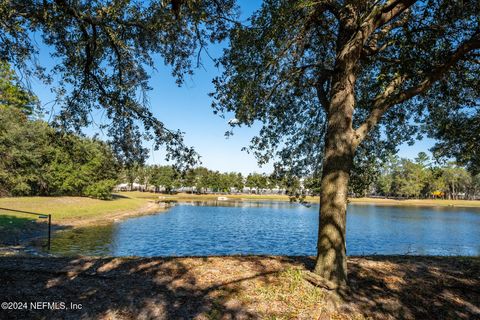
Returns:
<point x="331" y="263"/>
<point x="337" y="164"/>
<point x="331" y="258"/>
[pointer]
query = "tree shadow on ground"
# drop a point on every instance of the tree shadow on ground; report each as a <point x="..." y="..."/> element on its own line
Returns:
<point x="157" y="288"/>
<point x="403" y="287"/>
<point x="15" y="230"/>
<point x="410" y="287"/>
<point x="415" y="287"/>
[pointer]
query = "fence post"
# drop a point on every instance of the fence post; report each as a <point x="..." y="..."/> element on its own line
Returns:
<point x="49" y="230"/>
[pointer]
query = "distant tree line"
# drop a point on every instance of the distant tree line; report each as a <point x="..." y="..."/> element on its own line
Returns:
<point x="202" y="180"/>
<point x="396" y="178"/>
<point x="422" y="178"/>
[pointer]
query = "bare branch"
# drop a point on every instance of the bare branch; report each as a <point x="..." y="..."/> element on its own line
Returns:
<point x="372" y="47"/>
<point x="379" y="17"/>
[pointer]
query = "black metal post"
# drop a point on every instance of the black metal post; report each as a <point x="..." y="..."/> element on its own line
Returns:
<point x="49" y="230"/>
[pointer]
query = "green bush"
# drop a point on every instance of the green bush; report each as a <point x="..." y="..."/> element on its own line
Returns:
<point x="100" y="190"/>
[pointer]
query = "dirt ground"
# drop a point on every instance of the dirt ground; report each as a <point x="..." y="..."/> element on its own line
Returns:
<point x="237" y="287"/>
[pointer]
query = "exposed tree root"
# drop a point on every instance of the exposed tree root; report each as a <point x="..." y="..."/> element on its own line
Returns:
<point x="319" y="281"/>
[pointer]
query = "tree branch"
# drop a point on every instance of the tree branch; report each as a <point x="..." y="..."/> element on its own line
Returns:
<point x="376" y="18"/>
<point x="372" y="47"/>
<point x="388" y="98"/>
<point x="391" y="10"/>
<point x="321" y="92"/>
<point x="379" y="17"/>
<point x="331" y="6"/>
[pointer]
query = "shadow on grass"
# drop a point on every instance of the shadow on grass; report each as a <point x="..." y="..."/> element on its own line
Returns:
<point x="214" y="287"/>
<point x="118" y="196"/>
<point x="15" y="230"/>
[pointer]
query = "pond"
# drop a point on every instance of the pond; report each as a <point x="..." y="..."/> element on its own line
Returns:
<point x="277" y="228"/>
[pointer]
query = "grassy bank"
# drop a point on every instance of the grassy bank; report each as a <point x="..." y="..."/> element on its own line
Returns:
<point x="65" y="210"/>
<point x="236" y="287"/>
<point x="418" y="202"/>
<point x="255" y="197"/>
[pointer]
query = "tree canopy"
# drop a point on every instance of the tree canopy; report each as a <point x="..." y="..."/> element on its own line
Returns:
<point x="279" y="70"/>
<point x="104" y="51"/>
<point x="12" y="94"/>
<point x="457" y="131"/>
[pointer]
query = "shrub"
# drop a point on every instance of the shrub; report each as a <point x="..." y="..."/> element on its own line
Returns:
<point x="100" y="190"/>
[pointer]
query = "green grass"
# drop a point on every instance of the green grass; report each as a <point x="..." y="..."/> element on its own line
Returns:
<point x="15" y="222"/>
<point x="70" y="207"/>
<point x="13" y="228"/>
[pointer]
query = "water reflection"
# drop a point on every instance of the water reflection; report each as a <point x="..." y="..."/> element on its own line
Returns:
<point x="91" y="241"/>
<point x="255" y="227"/>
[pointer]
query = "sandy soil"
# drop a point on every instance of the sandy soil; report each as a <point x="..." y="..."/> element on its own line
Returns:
<point x="236" y="287"/>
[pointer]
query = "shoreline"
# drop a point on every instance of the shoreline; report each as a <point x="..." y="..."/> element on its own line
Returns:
<point x="149" y="208"/>
<point x="417" y="203"/>
<point x="23" y="234"/>
<point x="136" y="204"/>
<point x="180" y="197"/>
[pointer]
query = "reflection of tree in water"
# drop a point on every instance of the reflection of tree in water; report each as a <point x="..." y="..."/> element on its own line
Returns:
<point x="96" y="240"/>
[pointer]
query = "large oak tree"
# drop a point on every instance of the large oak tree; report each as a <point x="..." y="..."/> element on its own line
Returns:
<point x="331" y="80"/>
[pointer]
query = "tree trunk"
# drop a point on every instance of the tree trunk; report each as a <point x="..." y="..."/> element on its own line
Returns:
<point x="339" y="150"/>
<point x="340" y="144"/>
<point x="331" y="261"/>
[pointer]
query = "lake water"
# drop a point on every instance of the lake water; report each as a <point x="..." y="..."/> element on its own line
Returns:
<point x="277" y="228"/>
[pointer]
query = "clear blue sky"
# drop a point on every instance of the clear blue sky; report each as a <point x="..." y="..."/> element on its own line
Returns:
<point x="188" y="108"/>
